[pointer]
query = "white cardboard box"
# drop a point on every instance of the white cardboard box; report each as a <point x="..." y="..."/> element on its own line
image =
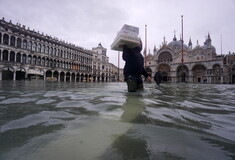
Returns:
<point x="128" y="35"/>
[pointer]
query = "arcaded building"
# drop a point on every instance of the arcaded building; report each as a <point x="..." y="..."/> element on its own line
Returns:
<point x="27" y="54"/>
<point x="185" y="63"/>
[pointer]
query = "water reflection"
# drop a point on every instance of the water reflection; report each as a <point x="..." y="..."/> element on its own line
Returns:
<point x="131" y="144"/>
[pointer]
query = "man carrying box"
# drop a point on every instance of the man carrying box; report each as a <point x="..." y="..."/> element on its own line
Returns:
<point x="134" y="68"/>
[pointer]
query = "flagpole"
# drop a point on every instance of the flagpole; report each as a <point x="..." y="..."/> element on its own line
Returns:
<point x="182" y="60"/>
<point x="118" y="65"/>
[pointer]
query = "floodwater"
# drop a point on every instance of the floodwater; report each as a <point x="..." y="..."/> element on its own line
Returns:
<point x="96" y="121"/>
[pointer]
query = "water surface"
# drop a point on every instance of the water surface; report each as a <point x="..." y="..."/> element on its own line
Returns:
<point x="46" y="121"/>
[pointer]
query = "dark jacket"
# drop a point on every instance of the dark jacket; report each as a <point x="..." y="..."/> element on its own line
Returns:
<point x="134" y="62"/>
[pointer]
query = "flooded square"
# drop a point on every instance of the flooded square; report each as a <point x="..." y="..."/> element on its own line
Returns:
<point x="47" y="120"/>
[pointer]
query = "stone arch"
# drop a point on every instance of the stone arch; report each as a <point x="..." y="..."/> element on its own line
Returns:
<point x="165" y="70"/>
<point x="82" y="77"/>
<point x="20" y="74"/>
<point x="68" y="76"/>
<point x="199" y="73"/>
<point x="7" y="73"/>
<point x="62" y="75"/>
<point x="216" y="72"/>
<point x="56" y="75"/>
<point x="165" y="56"/>
<point x="182" y="73"/>
<point x="73" y="77"/>
<point x="78" y="77"/>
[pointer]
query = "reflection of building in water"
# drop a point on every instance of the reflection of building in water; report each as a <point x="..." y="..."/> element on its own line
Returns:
<point x="27" y="54"/>
<point x="200" y="64"/>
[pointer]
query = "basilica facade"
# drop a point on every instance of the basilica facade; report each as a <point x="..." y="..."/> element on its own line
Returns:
<point x="179" y="62"/>
<point x="27" y="54"/>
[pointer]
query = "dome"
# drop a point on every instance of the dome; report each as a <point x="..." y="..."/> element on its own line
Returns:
<point x="208" y="47"/>
<point x="177" y="44"/>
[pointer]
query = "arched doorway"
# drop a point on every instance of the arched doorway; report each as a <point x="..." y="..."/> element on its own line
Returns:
<point x="7" y="73"/>
<point x="165" y="71"/>
<point x="82" y="77"/>
<point x="216" y="71"/>
<point x="73" y="77"/>
<point x="20" y="74"/>
<point x="199" y="74"/>
<point x="62" y="74"/>
<point x="67" y="76"/>
<point x="56" y="75"/>
<point x="78" y="77"/>
<point x="182" y="74"/>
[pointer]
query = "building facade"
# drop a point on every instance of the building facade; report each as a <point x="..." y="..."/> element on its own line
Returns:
<point x="27" y="54"/>
<point x="179" y="62"/>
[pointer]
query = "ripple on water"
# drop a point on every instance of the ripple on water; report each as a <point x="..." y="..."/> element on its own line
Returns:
<point x="45" y="101"/>
<point x="18" y="100"/>
<point x="45" y="117"/>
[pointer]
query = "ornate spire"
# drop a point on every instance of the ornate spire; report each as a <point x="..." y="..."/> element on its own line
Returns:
<point x="190" y="42"/>
<point x="174" y="39"/>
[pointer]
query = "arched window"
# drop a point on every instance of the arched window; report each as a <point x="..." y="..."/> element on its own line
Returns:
<point x="39" y="48"/>
<point x="47" y="50"/>
<point x="18" y="57"/>
<point x="54" y="51"/>
<point x="34" y="47"/>
<point x="12" y="41"/>
<point x="24" y="58"/>
<point x="5" y="55"/>
<point x="43" y="49"/>
<point x="12" y="56"/>
<point x="51" y="51"/>
<point x="30" y="45"/>
<point x="6" y="39"/>
<point x="43" y="61"/>
<point x="24" y="44"/>
<point x="39" y="61"/>
<point x="29" y="59"/>
<point x="19" y="41"/>
<point x="34" y="60"/>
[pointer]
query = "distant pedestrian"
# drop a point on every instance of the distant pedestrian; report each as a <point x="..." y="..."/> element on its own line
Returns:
<point x="158" y="78"/>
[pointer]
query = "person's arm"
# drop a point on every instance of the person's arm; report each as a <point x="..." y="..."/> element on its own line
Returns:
<point x="126" y="53"/>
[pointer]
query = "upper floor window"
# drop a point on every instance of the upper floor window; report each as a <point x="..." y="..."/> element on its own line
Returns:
<point x="19" y="41"/>
<point x="12" y="41"/>
<point x="5" y="39"/>
<point x="25" y="44"/>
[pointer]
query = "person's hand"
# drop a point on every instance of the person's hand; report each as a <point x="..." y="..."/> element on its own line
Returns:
<point x="149" y="79"/>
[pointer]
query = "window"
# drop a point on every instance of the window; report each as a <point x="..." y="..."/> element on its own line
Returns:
<point x="25" y="44"/>
<point x="34" y="46"/>
<point x="5" y="39"/>
<point x="12" y="42"/>
<point x="39" y="48"/>
<point x="19" y="41"/>
<point x="30" y="45"/>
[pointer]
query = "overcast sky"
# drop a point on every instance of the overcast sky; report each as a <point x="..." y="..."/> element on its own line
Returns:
<point x="86" y="23"/>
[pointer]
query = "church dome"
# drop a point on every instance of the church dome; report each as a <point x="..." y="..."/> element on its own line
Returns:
<point x="177" y="44"/>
